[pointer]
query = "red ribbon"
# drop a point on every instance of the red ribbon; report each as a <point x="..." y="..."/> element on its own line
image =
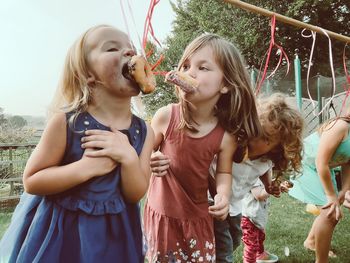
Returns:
<point x="148" y="28"/>
<point x="282" y="54"/>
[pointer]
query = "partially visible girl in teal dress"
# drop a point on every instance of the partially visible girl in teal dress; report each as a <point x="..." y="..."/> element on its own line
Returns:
<point x="323" y="151"/>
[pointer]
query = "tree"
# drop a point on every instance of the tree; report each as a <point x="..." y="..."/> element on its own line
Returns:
<point x="17" y="121"/>
<point x="3" y="120"/>
<point x="251" y="32"/>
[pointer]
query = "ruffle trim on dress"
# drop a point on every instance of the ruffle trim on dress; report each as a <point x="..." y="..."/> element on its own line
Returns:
<point x="92" y="207"/>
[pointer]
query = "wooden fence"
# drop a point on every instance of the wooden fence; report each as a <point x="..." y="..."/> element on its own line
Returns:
<point x="13" y="158"/>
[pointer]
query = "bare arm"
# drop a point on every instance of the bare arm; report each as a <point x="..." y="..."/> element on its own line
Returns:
<point x="135" y="174"/>
<point x="270" y="186"/>
<point x="345" y="172"/>
<point x="160" y="123"/>
<point x="43" y="174"/>
<point x="259" y="193"/>
<point x="223" y="177"/>
<point x="347" y="199"/>
<point x="329" y="141"/>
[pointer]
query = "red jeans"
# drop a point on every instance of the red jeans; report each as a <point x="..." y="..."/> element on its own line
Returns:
<point x="253" y="239"/>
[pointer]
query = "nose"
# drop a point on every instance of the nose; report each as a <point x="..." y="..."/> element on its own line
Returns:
<point x="129" y="52"/>
<point x="191" y="71"/>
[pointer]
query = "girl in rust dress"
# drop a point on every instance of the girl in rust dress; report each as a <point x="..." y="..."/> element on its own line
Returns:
<point x="215" y="118"/>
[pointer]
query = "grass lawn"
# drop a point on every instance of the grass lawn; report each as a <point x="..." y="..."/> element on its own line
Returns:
<point x="5" y="218"/>
<point x="288" y="226"/>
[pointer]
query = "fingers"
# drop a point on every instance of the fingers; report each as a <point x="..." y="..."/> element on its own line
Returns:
<point x="331" y="210"/>
<point x="158" y="156"/>
<point x="96" y="132"/>
<point x="96" y="153"/>
<point x="334" y="211"/>
<point x="220" y="208"/>
<point x="218" y="211"/>
<point x="326" y="206"/>
<point x="160" y="174"/>
<point x="338" y="213"/>
<point x="94" y="145"/>
<point x="156" y="163"/>
<point x="160" y="164"/>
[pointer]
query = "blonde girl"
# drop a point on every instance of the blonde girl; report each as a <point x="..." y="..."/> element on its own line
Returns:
<point x="91" y="166"/>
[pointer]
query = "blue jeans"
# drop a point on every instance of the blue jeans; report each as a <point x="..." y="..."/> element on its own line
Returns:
<point x="228" y="236"/>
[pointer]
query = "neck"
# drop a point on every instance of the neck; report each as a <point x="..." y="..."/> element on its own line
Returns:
<point x="112" y="112"/>
<point x="202" y="113"/>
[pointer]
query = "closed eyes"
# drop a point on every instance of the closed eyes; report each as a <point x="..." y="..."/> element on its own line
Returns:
<point x="112" y="49"/>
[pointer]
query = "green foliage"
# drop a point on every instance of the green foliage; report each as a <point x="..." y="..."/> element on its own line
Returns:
<point x="12" y="129"/>
<point x="17" y="121"/>
<point x="3" y="120"/>
<point x="251" y="33"/>
<point x="288" y="226"/>
<point x="12" y="135"/>
<point x="164" y="93"/>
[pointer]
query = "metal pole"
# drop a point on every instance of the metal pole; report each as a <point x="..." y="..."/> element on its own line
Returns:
<point x="297" y="74"/>
<point x="286" y="19"/>
<point x="268" y="87"/>
<point x="319" y="100"/>
<point x="253" y="77"/>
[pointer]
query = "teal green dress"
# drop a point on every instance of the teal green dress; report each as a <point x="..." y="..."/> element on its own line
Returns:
<point x="308" y="187"/>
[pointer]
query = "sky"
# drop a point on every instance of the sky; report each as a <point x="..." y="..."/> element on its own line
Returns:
<point x="36" y="34"/>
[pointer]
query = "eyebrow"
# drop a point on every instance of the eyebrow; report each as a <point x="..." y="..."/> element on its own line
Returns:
<point x="114" y="42"/>
<point x="202" y="61"/>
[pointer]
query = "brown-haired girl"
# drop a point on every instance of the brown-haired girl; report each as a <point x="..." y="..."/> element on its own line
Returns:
<point x="214" y="119"/>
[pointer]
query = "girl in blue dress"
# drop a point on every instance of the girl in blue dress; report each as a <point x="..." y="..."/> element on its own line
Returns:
<point x="91" y="167"/>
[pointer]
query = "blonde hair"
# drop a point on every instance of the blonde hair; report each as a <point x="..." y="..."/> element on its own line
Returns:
<point x="289" y="123"/>
<point x="235" y="110"/>
<point x="327" y="125"/>
<point x="73" y="92"/>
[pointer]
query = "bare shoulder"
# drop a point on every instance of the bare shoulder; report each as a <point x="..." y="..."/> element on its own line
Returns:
<point x="339" y="128"/>
<point x="162" y="115"/>
<point x="161" y="119"/>
<point x="51" y="147"/>
<point x="229" y="141"/>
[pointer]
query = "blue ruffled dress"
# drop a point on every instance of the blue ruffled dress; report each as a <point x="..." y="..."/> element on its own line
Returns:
<point x="88" y="223"/>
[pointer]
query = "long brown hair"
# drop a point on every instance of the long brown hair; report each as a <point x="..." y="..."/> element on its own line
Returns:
<point x="236" y="110"/>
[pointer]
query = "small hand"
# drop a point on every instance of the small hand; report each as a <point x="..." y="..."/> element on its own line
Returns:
<point x="274" y="189"/>
<point x="160" y="164"/>
<point x="284" y="186"/>
<point x="220" y="208"/>
<point x="333" y="207"/>
<point x="97" y="166"/>
<point x="114" y="144"/>
<point x="347" y="199"/>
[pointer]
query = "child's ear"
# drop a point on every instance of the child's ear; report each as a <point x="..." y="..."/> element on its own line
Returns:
<point x="224" y="90"/>
<point x="91" y="80"/>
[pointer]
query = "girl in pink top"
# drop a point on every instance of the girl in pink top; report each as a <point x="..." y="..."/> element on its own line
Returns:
<point x="217" y="118"/>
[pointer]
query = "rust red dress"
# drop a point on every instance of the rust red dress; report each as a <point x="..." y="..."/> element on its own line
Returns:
<point x="178" y="227"/>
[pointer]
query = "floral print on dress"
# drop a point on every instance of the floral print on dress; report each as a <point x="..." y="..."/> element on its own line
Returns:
<point x="189" y="254"/>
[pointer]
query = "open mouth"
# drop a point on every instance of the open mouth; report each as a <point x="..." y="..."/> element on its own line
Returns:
<point x="126" y="71"/>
